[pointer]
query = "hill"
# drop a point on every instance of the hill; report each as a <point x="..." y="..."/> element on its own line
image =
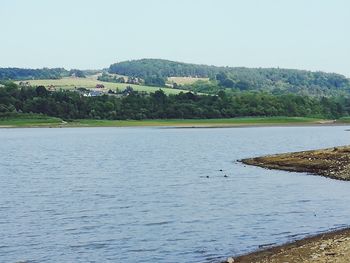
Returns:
<point x="144" y="68"/>
<point x="179" y="76"/>
<point x="273" y="80"/>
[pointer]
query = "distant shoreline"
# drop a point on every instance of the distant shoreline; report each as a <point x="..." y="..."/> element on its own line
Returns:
<point x="51" y="122"/>
<point x="189" y="126"/>
<point x="177" y="126"/>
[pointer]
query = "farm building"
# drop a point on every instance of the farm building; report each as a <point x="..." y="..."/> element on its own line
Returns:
<point x="93" y="93"/>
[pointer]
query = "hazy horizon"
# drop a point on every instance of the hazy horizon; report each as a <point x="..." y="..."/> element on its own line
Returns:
<point x="308" y="35"/>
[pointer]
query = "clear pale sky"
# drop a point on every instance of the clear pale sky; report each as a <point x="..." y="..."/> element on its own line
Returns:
<point x="303" y="34"/>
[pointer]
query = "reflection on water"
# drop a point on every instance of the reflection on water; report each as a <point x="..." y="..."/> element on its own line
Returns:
<point x="158" y="195"/>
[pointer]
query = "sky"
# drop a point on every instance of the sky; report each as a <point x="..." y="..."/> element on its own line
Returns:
<point x="92" y="34"/>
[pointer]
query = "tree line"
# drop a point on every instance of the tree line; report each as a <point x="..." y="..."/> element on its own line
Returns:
<point x="44" y="73"/>
<point x="157" y="105"/>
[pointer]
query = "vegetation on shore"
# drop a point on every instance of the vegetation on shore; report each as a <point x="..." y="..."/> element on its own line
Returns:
<point x="139" y="106"/>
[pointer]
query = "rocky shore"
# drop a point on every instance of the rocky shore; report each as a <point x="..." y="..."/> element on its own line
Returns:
<point x="331" y="162"/>
<point x="324" y="248"/>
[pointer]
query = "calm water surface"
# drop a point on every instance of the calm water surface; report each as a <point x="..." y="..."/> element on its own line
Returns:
<point x="142" y="194"/>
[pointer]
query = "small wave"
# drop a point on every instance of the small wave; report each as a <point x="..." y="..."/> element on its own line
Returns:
<point x="159" y="223"/>
<point x="175" y="239"/>
<point x="304" y="201"/>
<point x="281" y="233"/>
<point x="267" y="245"/>
<point x="191" y="221"/>
<point x="293" y="236"/>
<point x="90" y="246"/>
<point x="124" y="207"/>
<point x="142" y="250"/>
<point x="4" y="246"/>
<point x="105" y="195"/>
<point x="295" y="212"/>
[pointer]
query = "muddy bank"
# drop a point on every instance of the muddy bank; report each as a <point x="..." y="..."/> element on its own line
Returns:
<point x="330" y="247"/>
<point x="331" y="162"/>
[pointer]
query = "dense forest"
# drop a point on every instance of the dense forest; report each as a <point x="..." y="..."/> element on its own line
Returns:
<point x="72" y="105"/>
<point x="144" y="68"/>
<point x="272" y="80"/>
<point x="44" y="73"/>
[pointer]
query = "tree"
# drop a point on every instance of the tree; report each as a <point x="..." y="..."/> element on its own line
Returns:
<point x="41" y="91"/>
<point x="222" y="94"/>
<point x="159" y="96"/>
<point x="228" y="83"/>
<point x="242" y="85"/>
<point x="221" y="77"/>
<point x="77" y="73"/>
<point x="120" y="80"/>
<point x="155" y="81"/>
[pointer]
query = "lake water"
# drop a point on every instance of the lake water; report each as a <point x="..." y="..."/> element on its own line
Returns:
<point x="142" y="194"/>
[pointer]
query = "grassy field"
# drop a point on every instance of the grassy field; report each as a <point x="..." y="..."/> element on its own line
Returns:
<point x="90" y="83"/>
<point x="27" y="121"/>
<point x="185" y="80"/>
